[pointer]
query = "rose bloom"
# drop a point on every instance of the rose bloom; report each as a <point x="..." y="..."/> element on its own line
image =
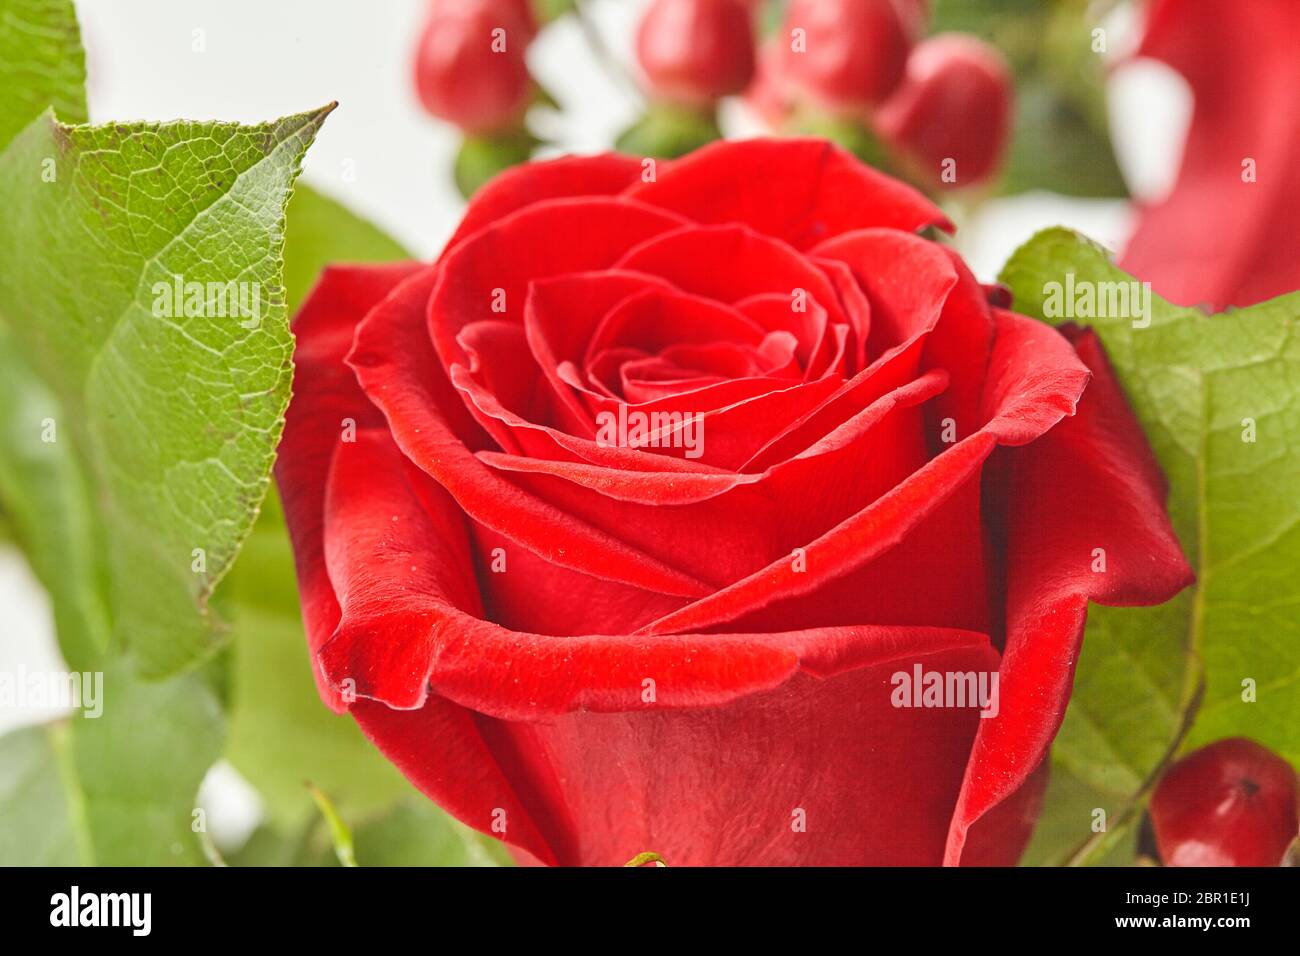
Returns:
<point x="591" y="649"/>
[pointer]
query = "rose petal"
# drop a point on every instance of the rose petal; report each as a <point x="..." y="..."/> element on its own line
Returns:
<point x="1035" y="379"/>
<point x="442" y="750"/>
<point x="527" y="183"/>
<point x="326" y="398"/>
<point x="920" y="288"/>
<point x="410" y="621"/>
<point x="561" y="315"/>
<point x="732" y="263"/>
<point x="819" y="349"/>
<point x="657" y="319"/>
<point x="438" y="748"/>
<point x="762" y="781"/>
<point x="801" y="191"/>
<point x="909" y="310"/>
<point x="486" y="277"/>
<point x="723" y="528"/>
<point x="1091" y="482"/>
<point x="395" y="364"/>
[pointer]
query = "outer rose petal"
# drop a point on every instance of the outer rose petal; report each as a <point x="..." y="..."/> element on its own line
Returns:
<point x="1000" y="836"/>
<point x="439" y="748"/>
<point x="610" y="767"/>
<point x="801" y="190"/>
<point x="395" y="546"/>
<point x="442" y="750"/>
<point x="325" y="394"/>
<point x="1090" y="482"/>
<point x="816" y="772"/>
<point x="849" y="737"/>
<point x="519" y="186"/>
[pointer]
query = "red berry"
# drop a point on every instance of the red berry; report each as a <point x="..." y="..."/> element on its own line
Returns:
<point x="847" y="55"/>
<point x="1232" y="803"/>
<point x="469" y="64"/>
<point x="696" y="51"/>
<point x="952" y="113"/>
<point x="529" y="17"/>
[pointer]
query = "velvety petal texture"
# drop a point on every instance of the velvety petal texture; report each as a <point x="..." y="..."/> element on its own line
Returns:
<point x="706" y="508"/>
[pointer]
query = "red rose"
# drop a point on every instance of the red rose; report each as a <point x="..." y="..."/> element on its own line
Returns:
<point x="696" y="646"/>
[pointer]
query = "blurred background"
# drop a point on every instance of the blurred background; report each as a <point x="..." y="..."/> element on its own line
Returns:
<point x="387" y="159"/>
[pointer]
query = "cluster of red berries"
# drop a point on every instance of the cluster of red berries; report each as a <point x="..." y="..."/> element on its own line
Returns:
<point x="940" y="108"/>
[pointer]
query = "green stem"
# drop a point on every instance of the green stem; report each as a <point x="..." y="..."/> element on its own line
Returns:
<point x="340" y="835"/>
<point x="1092" y="846"/>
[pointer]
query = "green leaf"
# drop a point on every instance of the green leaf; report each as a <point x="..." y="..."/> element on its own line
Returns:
<point x="173" y="417"/>
<point x="409" y="832"/>
<point x="36" y="816"/>
<point x="649" y="856"/>
<point x="319" y="231"/>
<point x="548" y="10"/>
<point x="269" y="846"/>
<point x="114" y="790"/>
<point x="851" y="134"/>
<point x="1014" y="26"/>
<point x="41" y="488"/>
<point x="1196" y="383"/>
<point x="49" y="509"/>
<point x="1068" y="819"/>
<point x="42" y="64"/>
<point x="139" y="766"/>
<point x="281" y="734"/>
<point x="413" y="832"/>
